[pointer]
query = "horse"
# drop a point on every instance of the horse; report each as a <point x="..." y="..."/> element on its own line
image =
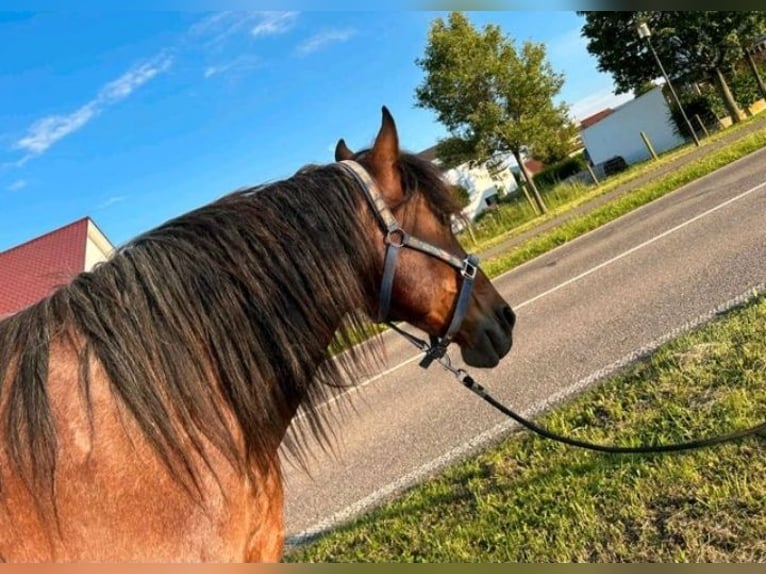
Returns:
<point x="143" y="404"/>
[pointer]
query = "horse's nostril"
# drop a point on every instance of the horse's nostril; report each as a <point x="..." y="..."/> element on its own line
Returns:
<point x="507" y="314"/>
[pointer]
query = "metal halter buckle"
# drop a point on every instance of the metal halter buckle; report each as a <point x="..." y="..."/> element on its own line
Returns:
<point x="469" y="269"/>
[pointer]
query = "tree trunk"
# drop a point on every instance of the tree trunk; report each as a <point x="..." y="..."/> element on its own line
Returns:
<point x="756" y="74"/>
<point x="523" y="187"/>
<point x="726" y="95"/>
<point x="538" y="205"/>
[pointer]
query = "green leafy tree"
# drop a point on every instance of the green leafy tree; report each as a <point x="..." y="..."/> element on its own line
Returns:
<point x="492" y="97"/>
<point x="462" y="194"/>
<point x="692" y="46"/>
<point x="643" y="88"/>
<point x="756" y="71"/>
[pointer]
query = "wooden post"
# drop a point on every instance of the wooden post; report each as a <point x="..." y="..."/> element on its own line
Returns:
<point x="532" y="193"/>
<point x="592" y="174"/>
<point x="648" y="145"/>
<point x="702" y="125"/>
<point x="535" y="208"/>
<point x="756" y="73"/>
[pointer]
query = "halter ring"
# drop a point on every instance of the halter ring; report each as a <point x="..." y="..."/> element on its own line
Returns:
<point x="396" y="237"/>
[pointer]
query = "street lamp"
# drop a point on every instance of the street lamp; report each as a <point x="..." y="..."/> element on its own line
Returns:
<point x="645" y="33"/>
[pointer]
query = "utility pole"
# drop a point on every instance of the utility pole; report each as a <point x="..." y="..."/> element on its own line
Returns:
<point x="645" y="33"/>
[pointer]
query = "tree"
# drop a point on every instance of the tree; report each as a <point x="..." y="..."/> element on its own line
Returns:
<point x="692" y="46"/>
<point x="492" y="97"/>
<point x="756" y="73"/>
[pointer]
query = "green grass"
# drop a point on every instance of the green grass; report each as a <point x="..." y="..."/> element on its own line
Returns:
<point x="620" y="206"/>
<point x="516" y="217"/>
<point x="533" y="500"/>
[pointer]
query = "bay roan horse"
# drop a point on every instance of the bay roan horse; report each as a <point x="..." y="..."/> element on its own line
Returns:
<point x="142" y="405"/>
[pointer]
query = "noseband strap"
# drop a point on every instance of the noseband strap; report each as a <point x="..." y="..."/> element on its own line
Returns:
<point x="395" y="238"/>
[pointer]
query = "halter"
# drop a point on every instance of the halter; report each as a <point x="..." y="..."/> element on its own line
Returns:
<point x="396" y="238"/>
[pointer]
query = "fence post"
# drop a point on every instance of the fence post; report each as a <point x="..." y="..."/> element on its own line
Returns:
<point x="592" y="174"/>
<point x="702" y="125"/>
<point x="648" y="145"/>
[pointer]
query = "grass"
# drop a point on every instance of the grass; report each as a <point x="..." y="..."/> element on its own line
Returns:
<point x="517" y="216"/>
<point x="533" y="500"/>
<point x="622" y="205"/>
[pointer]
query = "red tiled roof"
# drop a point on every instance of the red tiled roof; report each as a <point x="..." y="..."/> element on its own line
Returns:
<point x="595" y="118"/>
<point x="533" y="165"/>
<point x="31" y="271"/>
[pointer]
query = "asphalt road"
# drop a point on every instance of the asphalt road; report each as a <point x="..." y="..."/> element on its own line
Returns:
<point x="583" y="309"/>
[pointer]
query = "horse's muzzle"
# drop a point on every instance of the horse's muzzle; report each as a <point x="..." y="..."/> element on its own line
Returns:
<point x="492" y="340"/>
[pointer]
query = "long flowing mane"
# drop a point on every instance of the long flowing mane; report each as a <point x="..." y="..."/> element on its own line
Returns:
<point x="222" y="311"/>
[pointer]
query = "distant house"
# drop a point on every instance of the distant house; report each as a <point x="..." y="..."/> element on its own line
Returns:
<point x="618" y="132"/>
<point x="532" y="165"/>
<point x="484" y="188"/>
<point x="33" y="270"/>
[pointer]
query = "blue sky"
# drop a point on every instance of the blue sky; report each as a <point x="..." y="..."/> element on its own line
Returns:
<point x="135" y="117"/>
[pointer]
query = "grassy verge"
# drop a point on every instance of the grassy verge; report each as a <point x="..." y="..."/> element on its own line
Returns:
<point x="515" y="218"/>
<point x="620" y="206"/>
<point x="533" y="500"/>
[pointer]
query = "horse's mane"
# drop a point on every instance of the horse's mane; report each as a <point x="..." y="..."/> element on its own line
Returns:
<point x="230" y="304"/>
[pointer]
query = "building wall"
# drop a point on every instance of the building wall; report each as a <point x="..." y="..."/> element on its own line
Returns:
<point x="619" y="133"/>
<point x="97" y="247"/>
<point x="480" y="185"/>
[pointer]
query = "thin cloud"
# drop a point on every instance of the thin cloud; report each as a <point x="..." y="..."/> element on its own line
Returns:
<point x="236" y="66"/>
<point x="273" y="23"/>
<point x="111" y="201"/>
<point x="213" y="34"/>
<point x="212" y="31"/>
<point x="212" y="23"/>
<point x="126" y="84"/>
<point x="17" y="185"/>
<point x="16" y="164"/>
<point x="45" y="132"/>
<point x="323" y="39"/>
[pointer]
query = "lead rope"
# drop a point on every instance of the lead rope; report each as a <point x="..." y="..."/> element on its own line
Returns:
<point x="468" y="382"/>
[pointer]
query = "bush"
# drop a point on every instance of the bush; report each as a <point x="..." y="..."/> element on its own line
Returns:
<point x="559" y="171"/>
<point x="704" y="106"/>
<point x="462" y="194"/>
<point x="744" y="86"/>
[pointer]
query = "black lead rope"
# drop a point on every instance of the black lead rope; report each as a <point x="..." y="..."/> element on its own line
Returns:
<point x="468" y="382"/>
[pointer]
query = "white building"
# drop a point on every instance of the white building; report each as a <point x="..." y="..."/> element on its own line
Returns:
<point x="619" y="133"/>
<point x="483" y="188"/>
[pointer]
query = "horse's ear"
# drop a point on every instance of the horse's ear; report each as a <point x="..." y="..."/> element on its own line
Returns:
<point x="342" y="152"/>
<point x="384" y="155"/>
<point x="385" y="151"/>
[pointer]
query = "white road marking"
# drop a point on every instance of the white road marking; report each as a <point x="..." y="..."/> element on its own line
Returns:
<point x="641" y="245"/>
<point x="461" y="451"/>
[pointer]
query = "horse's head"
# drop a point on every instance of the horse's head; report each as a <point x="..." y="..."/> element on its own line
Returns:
<point x="426" y="277"/>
